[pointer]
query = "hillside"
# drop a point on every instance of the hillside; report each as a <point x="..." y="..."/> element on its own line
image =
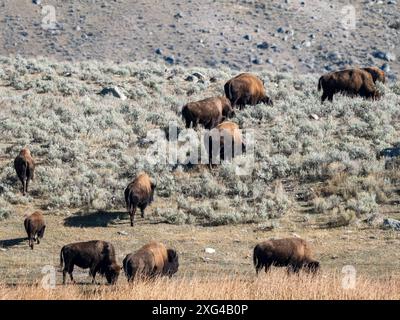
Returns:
<point x="311" y="36"/>
<point x="314" y="171"/>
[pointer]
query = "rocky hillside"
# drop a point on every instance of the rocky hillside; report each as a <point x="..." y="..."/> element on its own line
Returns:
<point x="311" y="36"/>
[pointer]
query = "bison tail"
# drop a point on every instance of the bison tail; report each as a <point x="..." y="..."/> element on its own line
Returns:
<point x="320" y="84"/>
<point x="61" y="258"/>
<point x="255" y="259"/>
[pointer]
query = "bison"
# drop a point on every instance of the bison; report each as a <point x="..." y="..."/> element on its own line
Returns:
<point x="152" y="260"/>
<point x="293" y="253"/>
<point x="98" y="256"/>
<point x="350" y="81"/>
<point x="139" y="193"/>
<point x="25" y="167"/>
<point x="209" y="112"/>
<point x="225" y="139"/>
<point x="246" y="89"/>
<point x="34" y="227"/>
<point x="376" y="74"/>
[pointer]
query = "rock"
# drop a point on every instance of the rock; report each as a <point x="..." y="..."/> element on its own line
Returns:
<point x="247" y="37"/>
<point x="389" y="223"/>
<point x="115" y="91"/>
<point x="270" y="61"/>
<point x="386" y="67"/>
<point x="256" y="61"/>
<point x="206" y="259"/>
<point x="24" y="33"/>
<point x="189" y="78"/>
<point x="123" y="233"/>
<point x="169" y="59"/>
<point x="263" y="45"/>
<point x="209" y="250"/>
<point x="265" y="227"/>
<point x="334" y="257"/>
<point x="158" y="51"/>
<point x="280" y="30"/>
<point x="314" y="116"/>
<point x="178" y="15"/>
<point x="199" y="76"/>
<point x="38" y="2"/>
<point x="213" y="79"/>
<point x="388" y="56"/>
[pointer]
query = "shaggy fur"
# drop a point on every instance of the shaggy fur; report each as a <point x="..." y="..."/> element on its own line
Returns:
<point x="227" y="141"/>
<point x="376" y="73"/>
<point x="351" y="82"/>
<point x="293" y="253"/>
<point x="34" y="227"/>
<point x="209" y="112"/>
<point x="139" y="193"/>
<point x="246" y="89"/>
<point x="25" y="167"/>
<point x="98" y="256"/>
<point x="152" y="260"/>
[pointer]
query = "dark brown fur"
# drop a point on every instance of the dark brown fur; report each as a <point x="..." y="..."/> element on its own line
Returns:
<point x="139" y="193"/>
<point x="376" y="73"/>
<point x="293" y="253"/>
<point x="224" y="133"/>
<point x="209" y="112"/>
<point x="34" y="227"/>
<point x="25" y="167"/>
<point x="246" y="89"/>
<point x="152" y="260"/>
<point x="351" y="81"/>
<point x="98" y="256"/>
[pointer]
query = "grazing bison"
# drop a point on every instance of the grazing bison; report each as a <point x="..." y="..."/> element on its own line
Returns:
<point x="376" y="74"/>
<point x="293" y="253"/>
<point x="25" y="168"/>
<point x="209" y="112"/>
<point x="97" y="255"/>
<point x="139" y="193"/>
<point x="225" y="139"/>
<point x="351" y="81"/>
<point x="246" y="89"/>
<point x="152" y="260"/>
<point x="34" y="227"/>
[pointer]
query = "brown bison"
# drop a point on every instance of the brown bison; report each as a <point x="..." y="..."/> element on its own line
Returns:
<point x="25" y="167"/>
<point x="246" y="89"/>
<point x="152" y="260"/>
<point x="34" y="227"/>
<point x="97" y="255"/>
<point x="293" y="253"/>
<point x="351" y="81"/>
<point x="139" y="193"/>
<point x="225" y="139"/>
<point x="209" y="112"/>
<point x="376" y="73"/>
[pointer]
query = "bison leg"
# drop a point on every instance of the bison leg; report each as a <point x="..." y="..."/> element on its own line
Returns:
<point x="24" y="182"/>
<point x="323" y="98"/>
<point x="142" y="210"/>
<point x="64" y="275"/>
<point x="26" y="185"/>
<point x="31" y="242"/>
<point x="132" y="214"/>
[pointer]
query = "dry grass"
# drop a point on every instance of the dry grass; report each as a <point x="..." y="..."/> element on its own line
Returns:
<point x="276" y="285"/>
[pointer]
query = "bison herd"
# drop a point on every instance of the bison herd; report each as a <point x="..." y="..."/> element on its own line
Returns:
<point x="154" y="259"/>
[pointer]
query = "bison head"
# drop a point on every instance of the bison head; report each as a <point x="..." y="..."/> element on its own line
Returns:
<point x="172" y="265"/>
<point x="112" y="273"/>
<point x="267" y="101"/>
<point x="312" y="266"/>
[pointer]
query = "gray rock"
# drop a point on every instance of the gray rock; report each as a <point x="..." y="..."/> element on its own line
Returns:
<point x="199" y="76"/>
<point x="386" y="67"/>
<point x="169" y="59"/>
<point x="263" y="45"/>
<point x="38" y="2"/>
<point x="280" y="30"/>
<point x="178" y="15"/>
<point x="158" y="51"/>
<point x="247" y="37"/>
<point x="388" y="56"/>
<point x="389" y="223"/>
<point x="114" y="91"/>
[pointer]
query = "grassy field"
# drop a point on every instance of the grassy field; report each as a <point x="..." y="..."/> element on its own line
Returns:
<point x="317" y="177"/>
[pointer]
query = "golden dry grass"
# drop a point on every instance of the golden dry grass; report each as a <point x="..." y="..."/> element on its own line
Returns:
<point x="276" y="285"/>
